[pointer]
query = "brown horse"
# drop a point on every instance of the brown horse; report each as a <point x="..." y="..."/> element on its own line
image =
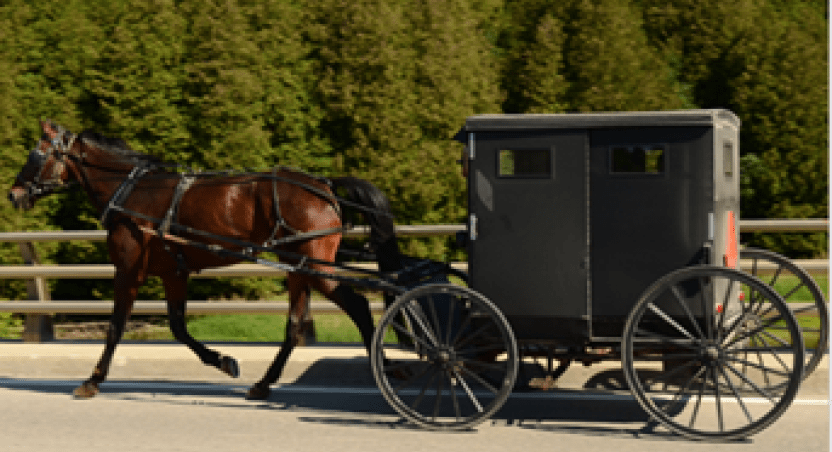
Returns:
<point x="258" y="208"/>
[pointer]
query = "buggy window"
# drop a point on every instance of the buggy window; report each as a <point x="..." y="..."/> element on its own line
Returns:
<point x="640" y="159"/>
<point x="525" y="163"/>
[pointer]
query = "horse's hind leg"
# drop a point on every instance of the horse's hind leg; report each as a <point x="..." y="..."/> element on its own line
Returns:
<point x="126" y="287"/>
<point x="176" y="294"/>
<point x="298" y="286"/>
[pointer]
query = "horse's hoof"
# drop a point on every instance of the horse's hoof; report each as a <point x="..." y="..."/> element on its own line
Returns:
<point x="229" y="365"/>
<point x="258" y="392"/>
<point x="85" y="391"/>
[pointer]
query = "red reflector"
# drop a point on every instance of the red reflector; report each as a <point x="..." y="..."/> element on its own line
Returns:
<point x="719" y="308"/>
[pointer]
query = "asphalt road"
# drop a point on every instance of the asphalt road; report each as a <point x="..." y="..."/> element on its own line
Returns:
<point x="325" y="405"/>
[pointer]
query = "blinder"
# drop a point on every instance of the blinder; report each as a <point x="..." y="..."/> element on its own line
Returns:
<point x="41" y="184"/>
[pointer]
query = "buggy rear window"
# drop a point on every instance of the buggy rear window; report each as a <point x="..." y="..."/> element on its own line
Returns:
<point x="640" y="159"/>
<point x="525" y="163"/>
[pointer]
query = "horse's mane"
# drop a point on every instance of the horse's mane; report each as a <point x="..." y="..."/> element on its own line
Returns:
<point x="117" y="147"/>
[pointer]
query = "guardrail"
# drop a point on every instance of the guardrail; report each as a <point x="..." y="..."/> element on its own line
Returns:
<point x="39" y="305"/>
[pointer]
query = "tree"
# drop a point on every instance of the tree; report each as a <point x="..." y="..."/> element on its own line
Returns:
<point x="397" y="81"/>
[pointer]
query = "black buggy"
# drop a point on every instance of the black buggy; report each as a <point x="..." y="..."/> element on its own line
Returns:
<point x="597" y="237"/>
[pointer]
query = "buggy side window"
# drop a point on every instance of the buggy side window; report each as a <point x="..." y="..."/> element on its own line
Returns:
<point x="641" y="159"/>
<point x="525" y="163"/>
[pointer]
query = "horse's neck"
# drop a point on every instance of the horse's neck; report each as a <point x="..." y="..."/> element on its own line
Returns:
<point x="101" y="178"/>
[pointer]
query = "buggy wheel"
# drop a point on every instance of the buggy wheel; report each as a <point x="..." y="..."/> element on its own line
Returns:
<point x="801" y="294"/>
<point x="460" y="364"/>
<point x="735" y="348"/>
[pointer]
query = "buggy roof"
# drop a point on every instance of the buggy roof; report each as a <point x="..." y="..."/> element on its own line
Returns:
<point x="514" y="122"/>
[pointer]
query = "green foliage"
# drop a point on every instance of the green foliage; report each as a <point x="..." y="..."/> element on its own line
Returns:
<point x="375" y="89"/>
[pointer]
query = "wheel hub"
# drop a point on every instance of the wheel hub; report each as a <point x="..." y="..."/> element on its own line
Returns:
<point x="443" y="356"/>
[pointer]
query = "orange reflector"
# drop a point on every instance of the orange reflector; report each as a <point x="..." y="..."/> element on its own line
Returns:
<point x="731" y="253"/>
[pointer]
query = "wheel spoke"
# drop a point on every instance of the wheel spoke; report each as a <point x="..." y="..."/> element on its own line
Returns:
<point x="407" y="382"/>
<point x="435" y="318"/>
<point x="718" y="401"/>
<point x="463" y="326"/>
<point x="480" y="380"/>
<point x="699" y="397"/>
<point x="473" y="335"/>
<point x="677" y="398"/>
<point x="424" y="389"/>
<point x="418" y="316"/>
<point x="685" y="307"/>
<point x="724" y="312"/>
<point x="667" y="340"/>
<point x="761" y="367"/>
<point x="438" y="404"/>
<point x="449" y="326"/>
<point x="671" y="373"/>
<point x="669" y="320"/>
<point x="412" y="336"/>
<point x="706" y="308"/>
<point x="795" y="289"/>
<point x="759" y="390"/>
<point x="454" y="400"/>
<point x="776" y="275"/>
<point x="468" y="391"/>
<point x="736" y="395"/>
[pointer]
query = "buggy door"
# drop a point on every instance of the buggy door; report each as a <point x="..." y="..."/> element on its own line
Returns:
<point x="528" y="225"/>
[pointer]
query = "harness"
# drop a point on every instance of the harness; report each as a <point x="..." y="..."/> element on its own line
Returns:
<point x="53" y="183"/>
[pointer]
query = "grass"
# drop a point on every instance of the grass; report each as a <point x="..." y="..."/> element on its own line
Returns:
<point x="786" y="283"/>
<point x="248" y="328"/>
<point x="269" y="328"/>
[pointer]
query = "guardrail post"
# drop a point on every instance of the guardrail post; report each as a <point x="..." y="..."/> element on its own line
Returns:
<point x="36" y="327"/>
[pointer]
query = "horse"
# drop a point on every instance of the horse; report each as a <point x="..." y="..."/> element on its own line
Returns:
<point x="268" y="208"/>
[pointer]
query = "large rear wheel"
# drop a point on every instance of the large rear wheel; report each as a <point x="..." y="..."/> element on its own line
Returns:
<point x="802" y="295"/>
<point x="712" y="353"/>
<point x="460" y="361"/>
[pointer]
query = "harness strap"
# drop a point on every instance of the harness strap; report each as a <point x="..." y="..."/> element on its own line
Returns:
<point x="280" y="222"/>
<point x="122" y="192"/>
<point x="184" y="184"/>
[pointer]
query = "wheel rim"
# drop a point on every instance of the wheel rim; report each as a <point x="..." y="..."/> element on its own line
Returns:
<point x="801" y="294"/>
<point x="460" y="364"/>
<point x="708" y="372"/>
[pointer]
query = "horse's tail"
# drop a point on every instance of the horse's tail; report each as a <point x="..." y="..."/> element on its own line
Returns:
<point x="382" y="240"/>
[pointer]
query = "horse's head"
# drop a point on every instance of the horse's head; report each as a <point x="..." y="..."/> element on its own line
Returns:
<point x="46" y="169"/>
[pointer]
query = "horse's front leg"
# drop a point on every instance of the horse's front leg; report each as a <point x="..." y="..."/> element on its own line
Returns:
<point x="126" y="287"/>
<point x="176" y="293"/>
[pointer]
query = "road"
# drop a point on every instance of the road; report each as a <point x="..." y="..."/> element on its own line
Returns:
<point x="313" y="414"/>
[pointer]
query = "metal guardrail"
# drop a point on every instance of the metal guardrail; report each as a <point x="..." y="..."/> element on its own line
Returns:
<point x="40" y="305"/>
<point x="775" y="225"/>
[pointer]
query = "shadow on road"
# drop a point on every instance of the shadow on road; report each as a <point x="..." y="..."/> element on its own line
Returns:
<point x="341" y="392"/>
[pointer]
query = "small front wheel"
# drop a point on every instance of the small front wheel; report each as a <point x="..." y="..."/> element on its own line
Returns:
<point x="460" y="361"/>
<point x="712" y="353"/>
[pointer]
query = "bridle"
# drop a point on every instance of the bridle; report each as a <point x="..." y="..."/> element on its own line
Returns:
<point x="44" y="184"/>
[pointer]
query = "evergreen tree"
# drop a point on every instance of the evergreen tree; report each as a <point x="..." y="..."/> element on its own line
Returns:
<point x="397" y="81"/>
<point x="608" y="63"/>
